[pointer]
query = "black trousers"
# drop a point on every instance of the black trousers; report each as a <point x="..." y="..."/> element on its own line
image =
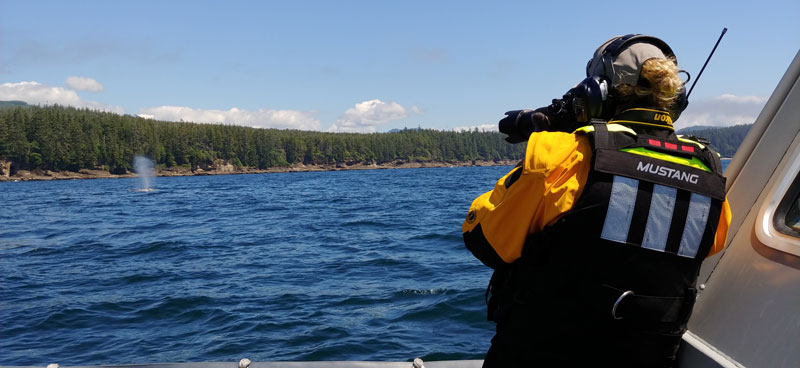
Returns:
<point x="561" y="341"/>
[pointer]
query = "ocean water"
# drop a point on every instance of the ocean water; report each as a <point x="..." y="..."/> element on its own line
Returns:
<point x="346" y="265"/>
<point x="725" y="162"/>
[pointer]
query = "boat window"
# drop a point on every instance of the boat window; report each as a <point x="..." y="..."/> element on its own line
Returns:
<point x="787" y="215"/>
<point x="793" y="218"/>
<point x="778" y="223"/>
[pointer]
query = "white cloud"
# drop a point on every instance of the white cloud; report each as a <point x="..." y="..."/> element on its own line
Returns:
<point x="261" y="118"/>
<point x="742" y="99"/>
<point x="36" y="93"/>
<point x="84" y="84"/>
<point x="724" y="110"/>
<point x="366" y="116"/>
<point x="482" y="128"/>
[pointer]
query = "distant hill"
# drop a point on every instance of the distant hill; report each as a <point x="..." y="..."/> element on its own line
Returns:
<point x="4" y="104"/>
<point x="725" y="140"/>
<point x="695" y="128"/>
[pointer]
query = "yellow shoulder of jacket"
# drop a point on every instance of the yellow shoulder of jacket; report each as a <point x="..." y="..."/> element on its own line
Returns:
<point x="530" y="197"/>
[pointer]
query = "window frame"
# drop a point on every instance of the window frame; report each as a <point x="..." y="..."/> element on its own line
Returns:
<point x="790" y="199"/>
<point x="770" y="226"/>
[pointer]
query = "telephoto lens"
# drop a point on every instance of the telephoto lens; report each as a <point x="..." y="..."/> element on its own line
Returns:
<point x="518" y="125"/>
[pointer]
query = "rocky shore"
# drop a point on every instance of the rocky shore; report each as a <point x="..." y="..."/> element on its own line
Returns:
<point x="228" y="169"/>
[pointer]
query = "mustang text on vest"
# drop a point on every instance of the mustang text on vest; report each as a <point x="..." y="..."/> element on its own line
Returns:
<point x="667" y="172"/>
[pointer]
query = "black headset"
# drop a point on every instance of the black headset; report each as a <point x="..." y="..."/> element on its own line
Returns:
<point x="591" y="95"/>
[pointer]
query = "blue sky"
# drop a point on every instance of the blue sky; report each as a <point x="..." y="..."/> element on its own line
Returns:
<point x="373" y="65"/>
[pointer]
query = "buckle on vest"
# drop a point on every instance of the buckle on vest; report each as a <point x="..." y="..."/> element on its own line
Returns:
<point x="616" y="304"/>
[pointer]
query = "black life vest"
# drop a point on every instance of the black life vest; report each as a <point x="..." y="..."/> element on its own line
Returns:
<point x="623" y="262"/>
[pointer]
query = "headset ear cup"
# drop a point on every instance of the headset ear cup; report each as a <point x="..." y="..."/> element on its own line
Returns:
<point x="590" y="99"/>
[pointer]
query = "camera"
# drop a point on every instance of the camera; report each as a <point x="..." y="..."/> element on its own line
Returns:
<point x="559" y="116"/>
<point x="586" y="101"/>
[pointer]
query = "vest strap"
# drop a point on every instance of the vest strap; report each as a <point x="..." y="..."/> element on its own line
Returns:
<point x="602" y="139"/>
<point x="627" y="305"/>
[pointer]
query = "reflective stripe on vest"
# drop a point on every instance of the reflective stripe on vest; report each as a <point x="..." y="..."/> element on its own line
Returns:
<point x="664" y="204"/>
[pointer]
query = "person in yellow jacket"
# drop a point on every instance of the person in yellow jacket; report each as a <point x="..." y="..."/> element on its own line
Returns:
<point x="597" y="237"/>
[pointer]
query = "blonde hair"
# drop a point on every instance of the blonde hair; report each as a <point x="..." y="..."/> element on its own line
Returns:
<point x="660" y="90"/>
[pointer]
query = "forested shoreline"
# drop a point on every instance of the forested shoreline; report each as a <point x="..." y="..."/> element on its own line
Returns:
<point x="67" y="139"/>
<point x="61" y="138"/>
<point x="724" y="140"/>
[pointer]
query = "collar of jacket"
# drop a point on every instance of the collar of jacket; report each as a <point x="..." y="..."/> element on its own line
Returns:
<point x="644" y="116"/>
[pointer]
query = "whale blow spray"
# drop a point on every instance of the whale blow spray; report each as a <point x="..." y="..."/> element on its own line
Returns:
<point x="144" y="170"/>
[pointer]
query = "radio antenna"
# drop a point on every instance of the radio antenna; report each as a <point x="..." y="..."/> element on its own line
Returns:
<point x="706" y="63"/>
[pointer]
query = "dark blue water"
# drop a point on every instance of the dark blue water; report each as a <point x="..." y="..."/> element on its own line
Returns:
<point x="349" y="265"/>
